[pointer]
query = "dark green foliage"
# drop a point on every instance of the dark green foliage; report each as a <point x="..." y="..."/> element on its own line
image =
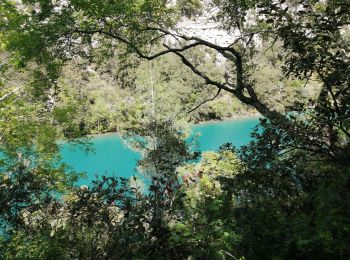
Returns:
<point x="293" y="197"/>
<point x="286" y="195"/>
<point x="113" y="218"/>
<point x="189" y="8"/>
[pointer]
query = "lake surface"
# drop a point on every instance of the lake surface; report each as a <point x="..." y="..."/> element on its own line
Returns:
<point x="113" y="157"/>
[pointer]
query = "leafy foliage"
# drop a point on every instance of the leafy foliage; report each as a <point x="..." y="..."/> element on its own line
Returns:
<point x="285" y="195"/>
<point x="288" y="185"/>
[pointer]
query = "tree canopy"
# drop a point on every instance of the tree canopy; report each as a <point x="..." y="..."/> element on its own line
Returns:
<point x="284" y="195"/>
<point x="313" y="36"/>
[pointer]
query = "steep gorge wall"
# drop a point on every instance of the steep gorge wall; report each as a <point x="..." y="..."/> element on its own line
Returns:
<point x="205" y="27"/>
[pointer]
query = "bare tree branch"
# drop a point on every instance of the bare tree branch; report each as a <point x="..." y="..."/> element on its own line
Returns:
<point x="10" y="93"/>
<point x="228" y="52"/>
<point x="205" y="101"/>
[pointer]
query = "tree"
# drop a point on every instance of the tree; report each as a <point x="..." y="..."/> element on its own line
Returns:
<point x="31" y="174"/>
<point x="112" y="218"/>
<point x="292" y="197"/>
<point x="164" y="150"/>
<point x="310" y="32"/>
<point x="294" y="163"/>
<point x="207" y="229"/>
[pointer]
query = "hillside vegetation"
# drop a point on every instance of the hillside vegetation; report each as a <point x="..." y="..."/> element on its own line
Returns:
<point x="73" y="68"/>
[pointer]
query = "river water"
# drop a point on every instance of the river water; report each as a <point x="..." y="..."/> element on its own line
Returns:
<point x="113" y="157"/>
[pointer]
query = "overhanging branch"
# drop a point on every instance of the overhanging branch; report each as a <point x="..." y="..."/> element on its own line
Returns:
<point x="205" y="101"/>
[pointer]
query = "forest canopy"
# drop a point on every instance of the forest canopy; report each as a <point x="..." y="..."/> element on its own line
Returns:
<point x="74" y="67"/>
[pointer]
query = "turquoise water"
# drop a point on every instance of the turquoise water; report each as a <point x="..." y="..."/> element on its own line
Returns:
<point x="235" y="131"/>
<point x="112" y="157"/>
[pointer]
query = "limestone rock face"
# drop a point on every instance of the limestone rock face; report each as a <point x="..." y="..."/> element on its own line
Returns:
<point x="205" y="27"/>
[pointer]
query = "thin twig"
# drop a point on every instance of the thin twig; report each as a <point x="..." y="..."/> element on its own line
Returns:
<point x="204" y="101"/>
<point x="10" y="93"/>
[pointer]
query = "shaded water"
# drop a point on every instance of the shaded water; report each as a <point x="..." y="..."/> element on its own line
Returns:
<point x="112" y="157"/>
